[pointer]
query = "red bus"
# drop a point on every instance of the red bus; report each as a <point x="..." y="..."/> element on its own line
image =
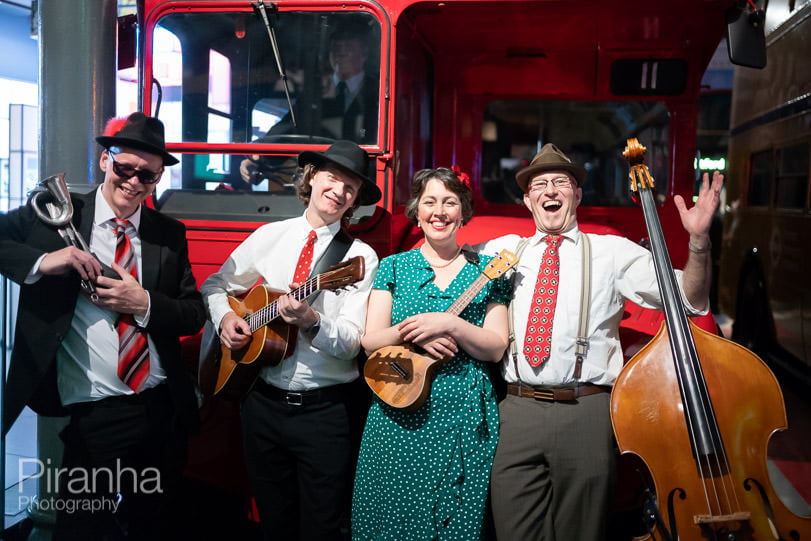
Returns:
<point x="481" y="84"/>
<point x="243" y="87"/>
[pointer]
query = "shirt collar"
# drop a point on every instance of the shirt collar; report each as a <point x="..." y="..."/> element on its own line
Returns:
<point x="353" y="83"/>
<point x="328" y="230"/>
<point x="104" y="213"/>
<point x="573" y="234"/>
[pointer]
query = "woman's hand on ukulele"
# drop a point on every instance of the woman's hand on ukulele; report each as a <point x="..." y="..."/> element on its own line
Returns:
<point x="430" y="331"/>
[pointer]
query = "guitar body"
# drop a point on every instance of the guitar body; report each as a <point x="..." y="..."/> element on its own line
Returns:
<point x="237" y="370"/>
<point x="231" y="374"/>
<point x="400" y="376"/>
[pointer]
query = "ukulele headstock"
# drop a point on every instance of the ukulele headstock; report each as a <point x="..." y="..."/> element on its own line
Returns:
<point x="500" y="264"/>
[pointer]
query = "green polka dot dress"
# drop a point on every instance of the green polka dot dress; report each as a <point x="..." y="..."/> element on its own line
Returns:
<point x="424" y="474"/>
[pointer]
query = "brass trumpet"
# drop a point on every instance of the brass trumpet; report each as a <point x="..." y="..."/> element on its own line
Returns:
<point x="60" y="215"/>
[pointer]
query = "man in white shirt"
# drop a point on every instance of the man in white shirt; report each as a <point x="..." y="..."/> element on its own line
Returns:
<point x="296" y="418"/>
<point x="555" y="464"/>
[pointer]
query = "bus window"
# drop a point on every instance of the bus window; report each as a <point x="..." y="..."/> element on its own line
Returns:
<point x="333" y="76"/>
<point x="590" y="132"/>
<point x="217" y="82"/>
<point x="792" y="177"/>
<point x="760" y="179"/>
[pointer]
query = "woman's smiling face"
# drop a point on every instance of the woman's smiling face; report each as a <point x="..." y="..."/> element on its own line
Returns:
<point x="439" y="211"/>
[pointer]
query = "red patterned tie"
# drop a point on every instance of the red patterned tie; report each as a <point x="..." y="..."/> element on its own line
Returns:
<point x="133" y="349"/>
<point x="305" y="260"/>
<point x="538" y="341"/>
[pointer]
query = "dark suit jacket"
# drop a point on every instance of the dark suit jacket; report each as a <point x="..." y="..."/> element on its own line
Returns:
<point x="46" y="307"/>
<point x="359" y="119"/>
<point x="357" y="122"/>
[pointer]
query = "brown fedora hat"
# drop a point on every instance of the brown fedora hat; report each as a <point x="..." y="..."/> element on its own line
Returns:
<point x="550" y="158"/>
<point x="350" y="158"/>
<point x="141" y="132"/>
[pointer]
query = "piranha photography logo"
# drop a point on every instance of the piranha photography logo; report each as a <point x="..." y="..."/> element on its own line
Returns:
<point x="89" y="490"/>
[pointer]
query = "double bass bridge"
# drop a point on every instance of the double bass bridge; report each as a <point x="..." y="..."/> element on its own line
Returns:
<point x="740" y="516"/>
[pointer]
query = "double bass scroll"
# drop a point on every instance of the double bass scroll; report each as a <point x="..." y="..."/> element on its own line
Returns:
<point x="699" y="411"/>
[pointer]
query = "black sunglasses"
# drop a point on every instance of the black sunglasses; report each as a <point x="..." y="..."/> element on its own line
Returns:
<point x="125" y="171"/>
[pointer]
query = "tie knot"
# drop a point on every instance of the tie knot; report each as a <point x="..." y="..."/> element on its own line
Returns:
<point x="553" y="240"/>
<point x="312" y="237"/>
<point x="121" y="225"/>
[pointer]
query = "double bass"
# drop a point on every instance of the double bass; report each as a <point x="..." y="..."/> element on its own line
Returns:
<point x="699" y="410"/>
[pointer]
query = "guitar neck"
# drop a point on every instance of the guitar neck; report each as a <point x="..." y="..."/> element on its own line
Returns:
<point x="468" y="295"/>
<point x="268" y="313"/>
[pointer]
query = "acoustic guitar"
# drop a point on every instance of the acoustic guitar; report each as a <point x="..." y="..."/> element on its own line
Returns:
<point x="231" y="373"/>
<point x="401" y="375"/>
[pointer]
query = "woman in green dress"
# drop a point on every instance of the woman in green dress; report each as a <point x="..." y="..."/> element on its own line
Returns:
<point x="424" y="474"/>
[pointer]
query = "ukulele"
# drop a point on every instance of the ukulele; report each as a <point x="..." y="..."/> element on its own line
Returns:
<point x="401" y="375"/>
<point x="231" y="373"/>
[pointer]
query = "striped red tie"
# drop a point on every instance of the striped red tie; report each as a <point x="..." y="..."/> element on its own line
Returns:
<point x="538" y="340"/>
<point x="305" y="260"/>
<point x="133" y="349"/>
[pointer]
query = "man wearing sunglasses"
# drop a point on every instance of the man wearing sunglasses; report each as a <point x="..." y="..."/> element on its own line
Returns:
<point x="111" y="361"/>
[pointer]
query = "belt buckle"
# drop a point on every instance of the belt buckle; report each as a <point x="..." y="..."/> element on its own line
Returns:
<point x="294" y="399"/>
<point x="538" y="394"/>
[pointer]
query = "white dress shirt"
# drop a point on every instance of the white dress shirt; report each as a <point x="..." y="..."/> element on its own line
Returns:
<point x="621" y="270"/>
<point x="87" y="362"/>
<point x="271" y="253"/>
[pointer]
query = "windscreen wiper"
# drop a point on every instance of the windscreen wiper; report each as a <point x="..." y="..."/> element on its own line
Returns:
<point x="259" y="5"/>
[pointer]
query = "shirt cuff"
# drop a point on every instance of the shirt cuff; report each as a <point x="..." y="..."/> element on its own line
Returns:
<point x="34" y="275"/>
<point x="144" y="321"/>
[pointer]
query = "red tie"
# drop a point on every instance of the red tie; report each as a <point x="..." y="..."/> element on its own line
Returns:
<point x="538" y="341"/>
<point x="133" y="349"/>
<point x="305" y="259"/>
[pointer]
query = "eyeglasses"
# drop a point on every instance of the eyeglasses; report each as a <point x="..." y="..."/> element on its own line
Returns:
<point x="558" y="182"/>
<point x="125" y="171"/>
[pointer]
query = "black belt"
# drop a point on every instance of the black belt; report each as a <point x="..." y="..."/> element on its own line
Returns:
<point x="565" y="393"/>
<point x="159" y="392"/>
<point x="333" y="393"/>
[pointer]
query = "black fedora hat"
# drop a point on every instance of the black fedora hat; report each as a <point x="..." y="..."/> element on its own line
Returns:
<point x="550" y="158"/>
<point x="349" y="158"/>
<point x="141" y="132"/>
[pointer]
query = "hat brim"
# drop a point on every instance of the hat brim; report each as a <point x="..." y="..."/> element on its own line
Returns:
<point x="369" y="193"/>
<point x="108" y="141"/>
<point x="523" y="176"/>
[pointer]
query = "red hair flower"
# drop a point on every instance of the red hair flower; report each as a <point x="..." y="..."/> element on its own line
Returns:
<point x="463" y="178"/>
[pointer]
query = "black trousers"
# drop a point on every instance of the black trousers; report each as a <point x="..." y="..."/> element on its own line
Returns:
<point x="299" y="456"/>
<point x="122" y="463"/>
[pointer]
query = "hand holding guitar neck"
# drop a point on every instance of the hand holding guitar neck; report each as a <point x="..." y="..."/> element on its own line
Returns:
<point x="230" y="373"/>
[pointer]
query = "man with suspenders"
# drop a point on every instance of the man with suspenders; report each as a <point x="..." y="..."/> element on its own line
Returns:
<point x="554" y="469"/>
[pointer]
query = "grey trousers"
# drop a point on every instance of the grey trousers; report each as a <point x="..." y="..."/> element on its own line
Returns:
<point x="554" y="469"/>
